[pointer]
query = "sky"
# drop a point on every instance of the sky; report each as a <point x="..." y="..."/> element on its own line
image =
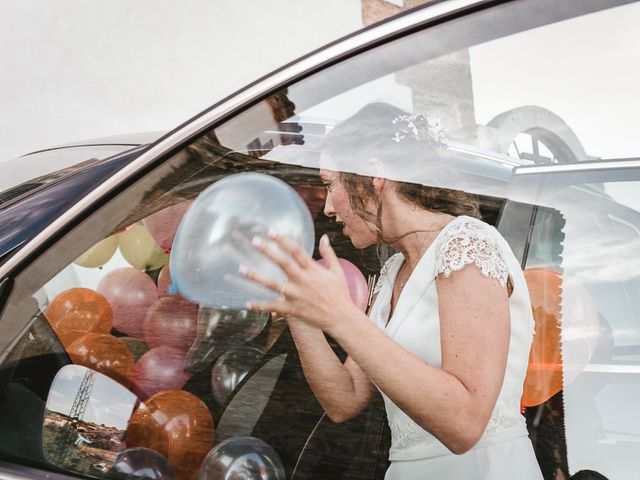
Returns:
<point x="82" y="69"/>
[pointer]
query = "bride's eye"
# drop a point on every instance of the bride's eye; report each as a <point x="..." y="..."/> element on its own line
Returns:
<point x="327" y="185"/>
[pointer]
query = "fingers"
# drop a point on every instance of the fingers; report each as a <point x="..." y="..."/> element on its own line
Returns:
<point x="275" y="306"/>
<point x="292" y="248"/>
<point x="278" y="306"/>
<point x="270" y="283"/>
<point x="328" y="253"/>
<point x="274" y="254"/>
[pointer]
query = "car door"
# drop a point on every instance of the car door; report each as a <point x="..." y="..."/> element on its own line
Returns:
<point x="494" y="74"/>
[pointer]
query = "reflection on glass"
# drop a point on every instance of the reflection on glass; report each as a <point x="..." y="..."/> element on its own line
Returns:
<point x="85" y="420"/>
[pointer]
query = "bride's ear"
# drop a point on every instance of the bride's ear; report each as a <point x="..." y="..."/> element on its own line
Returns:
<point x="378" y="183"/>
<point x="375" y="169"/>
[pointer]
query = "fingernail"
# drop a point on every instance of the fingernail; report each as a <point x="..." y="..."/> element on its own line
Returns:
<point x="272" y="233"/>
<point x="325" y="239"/>
<point x="256" y="242"/>
<point x="242" y="270"/>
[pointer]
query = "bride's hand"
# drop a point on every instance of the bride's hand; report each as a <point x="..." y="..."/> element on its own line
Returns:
<point x="313" y="293"/>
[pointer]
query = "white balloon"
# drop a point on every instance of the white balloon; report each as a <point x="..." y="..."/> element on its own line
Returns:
<point x="231" y="368"/>
<point x="242" y="457"/>
<point x="580" y="328"/>
<point x="214" y="238"/>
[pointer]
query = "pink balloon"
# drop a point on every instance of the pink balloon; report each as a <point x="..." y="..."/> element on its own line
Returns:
<point x="171" y="321"/>
<point x="162" y="225"/>
<point x="356" y="283"/>
<point x="161" y="368"/>
<point x="164" y="280"/>
<point x="130" y="293"/>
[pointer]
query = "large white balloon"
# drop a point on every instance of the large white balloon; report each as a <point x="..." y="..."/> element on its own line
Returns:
<point x="214" y="238"/>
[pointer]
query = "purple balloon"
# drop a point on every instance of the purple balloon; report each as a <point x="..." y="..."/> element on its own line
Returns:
<point x="130" y="293"/>
<point x="144" y="463"/>
<point x="161" y="368"/>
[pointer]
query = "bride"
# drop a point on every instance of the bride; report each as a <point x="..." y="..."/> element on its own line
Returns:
<point x="446" y="340"/>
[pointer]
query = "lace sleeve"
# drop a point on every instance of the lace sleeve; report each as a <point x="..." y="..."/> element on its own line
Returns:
<point x="384" y="271"/>
<point x="471" y="242"/>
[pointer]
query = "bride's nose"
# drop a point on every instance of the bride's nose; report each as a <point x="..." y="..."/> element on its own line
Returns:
<point x="328" y="207"/>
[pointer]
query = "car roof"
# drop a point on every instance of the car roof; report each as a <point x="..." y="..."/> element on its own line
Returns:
<point x="24" y="173"/>
<point x="25" y="215"/>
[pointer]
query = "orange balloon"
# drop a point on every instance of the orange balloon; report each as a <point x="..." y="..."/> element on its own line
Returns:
<point x="105" y="354"/>
<point x="176" y="424"/>
<point x="77" y="311"/>
<point x="544" y="374"/>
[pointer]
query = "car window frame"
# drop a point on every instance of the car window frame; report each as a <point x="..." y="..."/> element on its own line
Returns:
<point x="164" y="150"/>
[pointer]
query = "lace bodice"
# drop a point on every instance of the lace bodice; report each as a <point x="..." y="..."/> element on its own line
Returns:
<point x="463" y="243"/>
<point x="415" y="324"/>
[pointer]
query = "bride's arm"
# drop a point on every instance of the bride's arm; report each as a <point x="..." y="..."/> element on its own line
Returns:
<point x="454" y="402"/>
<point x="342" y="389"/>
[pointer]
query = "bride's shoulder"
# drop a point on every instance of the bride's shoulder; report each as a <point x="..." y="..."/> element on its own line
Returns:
<point x="464" y="225"/>
<point x="467" y="240"/>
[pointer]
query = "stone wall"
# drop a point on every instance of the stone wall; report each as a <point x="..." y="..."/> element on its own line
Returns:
<point x="375" y="10"/>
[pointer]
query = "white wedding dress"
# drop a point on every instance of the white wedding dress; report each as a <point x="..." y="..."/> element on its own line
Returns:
<point x="505" y="450"/>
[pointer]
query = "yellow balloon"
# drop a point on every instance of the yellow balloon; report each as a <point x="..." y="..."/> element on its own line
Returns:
<point x="99" y="254"/>
<point x="140" y="249"/>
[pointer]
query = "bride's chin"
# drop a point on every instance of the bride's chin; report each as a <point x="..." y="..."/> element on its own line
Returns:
<point x="359" y="244"/>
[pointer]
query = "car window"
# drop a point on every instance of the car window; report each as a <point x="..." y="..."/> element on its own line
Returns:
<point x="500" y="90"/>
<point x="594" y="260"/>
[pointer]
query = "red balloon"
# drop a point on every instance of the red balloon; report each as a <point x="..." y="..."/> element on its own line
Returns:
<point x="130" y="292"/>
<point x="171" y="321"/>
<point x="162" y="225"/>
<point x="161" y="368"/>
<point x="356" y="283"/>
<point x="77" y="311"/>
<point x="176" y="424"/>
<point x="105" y="354"/>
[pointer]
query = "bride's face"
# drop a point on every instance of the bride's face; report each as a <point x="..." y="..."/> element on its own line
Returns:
<point x="337" y="205"/>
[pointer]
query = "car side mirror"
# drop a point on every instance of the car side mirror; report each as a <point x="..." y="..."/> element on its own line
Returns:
<point x="85" y="422"/>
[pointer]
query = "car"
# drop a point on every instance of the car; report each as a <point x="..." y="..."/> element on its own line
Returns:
<point x="537" y="102"/>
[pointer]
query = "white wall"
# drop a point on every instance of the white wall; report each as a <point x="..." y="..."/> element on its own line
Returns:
<point x="79" y="69"/>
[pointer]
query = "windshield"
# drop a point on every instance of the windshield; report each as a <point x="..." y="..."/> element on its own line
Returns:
<point x="26" y="173"/>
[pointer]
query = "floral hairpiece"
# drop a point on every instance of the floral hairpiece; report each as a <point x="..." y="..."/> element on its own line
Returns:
<point x="419" y="128"/>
